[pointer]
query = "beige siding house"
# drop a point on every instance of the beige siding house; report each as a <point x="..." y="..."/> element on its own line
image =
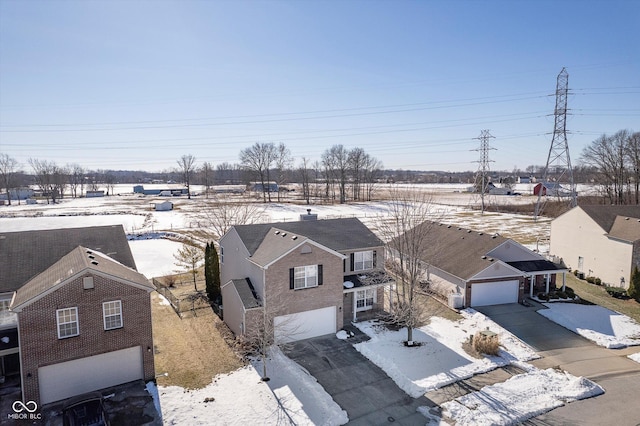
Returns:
<point x="311" y="276"/>
<point x="600" y="241"/>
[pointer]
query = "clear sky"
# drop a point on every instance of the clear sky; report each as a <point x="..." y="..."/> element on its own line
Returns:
<point x="115" y="84"/>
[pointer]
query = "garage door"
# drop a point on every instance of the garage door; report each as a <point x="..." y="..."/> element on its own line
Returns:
<point x="67" y="379"/>
<point x="305" y="325"/>
<point x="496" y="293"/>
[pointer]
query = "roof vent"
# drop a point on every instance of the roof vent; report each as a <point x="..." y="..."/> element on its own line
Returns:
<point x="89" y="252"/>
<point x="284" y="234"/>
<point x="91" y="256"/>
<point x="491" y="259"/>
<point x="459" y="229"/>
<point x="626" y="218"/>
<point x="493" y="237"/>
<point x="484" y="257"/>
<point x="448" y="226"/>
<point x="93" y="262"/>
<point x="295" y="237"/>
<point x="480" y="233"/>
<point x="277" y="232"/>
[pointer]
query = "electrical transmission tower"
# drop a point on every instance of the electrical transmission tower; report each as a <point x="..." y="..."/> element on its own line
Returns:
<point x="558" y="161"/>
<point x="482" y="175"/>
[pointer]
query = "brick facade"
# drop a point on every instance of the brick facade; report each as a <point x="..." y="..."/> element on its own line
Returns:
<point x="39" y="341"/>
<point x="293" y="301"/>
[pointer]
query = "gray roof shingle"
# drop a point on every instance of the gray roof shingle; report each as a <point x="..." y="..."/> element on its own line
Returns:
<point x="336" y="234"/>
<point x="77" y="261"/>
<point x="247" y="293"/>
<point x="605" y="216"/>
<point x="26" y="254"/>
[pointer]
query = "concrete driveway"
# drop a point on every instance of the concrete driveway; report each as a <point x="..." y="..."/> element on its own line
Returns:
<point x="561" y="348"/>
<point x="357" y="385"/>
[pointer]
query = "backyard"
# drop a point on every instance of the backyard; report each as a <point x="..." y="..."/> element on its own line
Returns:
<point x="598" y="295"/>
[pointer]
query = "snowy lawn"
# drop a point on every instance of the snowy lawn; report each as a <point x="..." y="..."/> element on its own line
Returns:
<point x="521" y="397"/>
<point x="155" y="258"/>
<point x="292" y="396"/>
<point x="635" y="357"/>
<point x="440" y="359"/>
<point x="600" y="325"/>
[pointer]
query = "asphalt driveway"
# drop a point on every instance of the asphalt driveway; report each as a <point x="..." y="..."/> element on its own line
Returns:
<point x="357" y="385"/>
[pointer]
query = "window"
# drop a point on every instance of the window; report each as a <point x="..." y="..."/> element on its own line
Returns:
<point x="363" y="260"/>
<point x="365" y="299"/>
<point x="221" y="254"/>
<point x="6" y="316"/>
<point x="305" y="276"/>
<point x="112" y="314"/>
<point x="580" y="263"/>
<point x="67" y="322"/>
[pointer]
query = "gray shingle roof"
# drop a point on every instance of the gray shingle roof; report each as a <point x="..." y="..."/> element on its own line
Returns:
<point x="626" y="228"/>
<point x="75" y="262"/>
<point x="336" y="234"/>
<point x="605" y="216"/>
<point x="26" y="254"/>
<point x="459" y="251"/>
<point x="276" y="242"/>
<point x="247" y="293"/>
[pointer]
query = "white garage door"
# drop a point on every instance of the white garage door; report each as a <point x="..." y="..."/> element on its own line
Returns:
<point x="67" y="379"/>
<point x="305" y="325"/>
<point x="497" y="293"/>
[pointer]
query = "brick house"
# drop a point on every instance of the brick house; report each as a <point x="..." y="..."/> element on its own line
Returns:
<point x="83" y="317"/>
<point x="312" y="275"/>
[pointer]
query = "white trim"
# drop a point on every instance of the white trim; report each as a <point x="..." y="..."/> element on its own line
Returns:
<point x="498" y="262"/>
<point x="354" y="289"/>
<point x="306" y="276"/>
<point x="77" y="322"/>
<point x="305" y="241"/>
<point x="366" y="307"/>
<point x="118" y="314"/>
<point x="121" y="280"/>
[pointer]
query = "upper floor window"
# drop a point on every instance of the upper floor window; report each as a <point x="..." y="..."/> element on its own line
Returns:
<point x="67" y="322"/>
<point x="363" y="260"/>
<point x="6" y="316"/>
<point x="305" y="276"/>
<point x="112" y="314"/>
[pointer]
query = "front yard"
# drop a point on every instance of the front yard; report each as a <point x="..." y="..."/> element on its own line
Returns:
<point x="598" y="295"/>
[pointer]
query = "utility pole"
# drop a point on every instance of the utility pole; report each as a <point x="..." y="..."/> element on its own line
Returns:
<point x="482" y="175"/>
<point x="558" y="159"/>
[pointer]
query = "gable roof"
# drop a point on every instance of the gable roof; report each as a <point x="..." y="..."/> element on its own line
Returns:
<point x="626" y="228"/>
<point x="25" y="254"/>
<point x="605" y="216"/>
<point x="458" y="251"/>
<point x="336" y="234"/>
<point x="76" y="262"/>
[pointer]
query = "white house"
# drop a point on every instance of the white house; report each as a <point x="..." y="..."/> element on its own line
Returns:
<point x="601" y="241"/>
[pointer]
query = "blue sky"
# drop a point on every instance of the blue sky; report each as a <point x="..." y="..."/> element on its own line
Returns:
<point x="137" y="84"/>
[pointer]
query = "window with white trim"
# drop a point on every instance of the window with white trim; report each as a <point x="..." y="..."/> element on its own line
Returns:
<point x="365" y="299"/>
<point x="363" y="260"/>
<point x="112" y="314"/>
<point x="305" y="276"/>
<point x="67" y="322"/>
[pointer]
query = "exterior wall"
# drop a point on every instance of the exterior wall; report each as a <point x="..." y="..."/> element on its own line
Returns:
<point x="282" y="301"/>
<point x="574" y="234"/>
<point x="235" y="264"/>
<point x="39" y="341"/>
<point x="233" y="309"/>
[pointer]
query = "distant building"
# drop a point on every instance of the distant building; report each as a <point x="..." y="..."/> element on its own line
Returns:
<point x="94" y="194"/>
<point x="18" y="194"/>
<point x="139" y="189"/>
<point x="163" y="206"/>
<point x="258" y="187"/>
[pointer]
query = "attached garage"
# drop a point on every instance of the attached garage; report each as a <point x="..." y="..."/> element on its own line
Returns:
<point x="67" y="379"/>
<point x="494" y="293"/>
<point x="305" y="325"/>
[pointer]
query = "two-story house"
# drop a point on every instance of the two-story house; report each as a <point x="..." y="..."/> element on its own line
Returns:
<point x="311" y="275"/>
<point x="599" y="241"/>
<point x="76" y="315"/>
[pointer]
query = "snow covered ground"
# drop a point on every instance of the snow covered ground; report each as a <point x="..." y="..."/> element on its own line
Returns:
<point x="440" y="359"/>
<point x="600" y="325"/>
<point x="292" y="396"/>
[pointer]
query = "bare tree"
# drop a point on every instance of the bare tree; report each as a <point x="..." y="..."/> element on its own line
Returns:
<point x="305" y="177"/>
<point x="356" y="159"/>
<point x="406" y="230"/>
<point x="283" y="161"/>
<point x="186" y="168"/>
<point x="190" y="258"/>
<point x="258" y="159"/>
<point x="337" y="157"/>
<point x="222" y="212"/>
<point x="371" y="172"/>
<point x="76" y="179"/>
<point x="48" y="178"/>
<point x="206" y="171"/>
<point x="608" y="154"/>
<point x="110" y="181"/>
<point x="633" y="156"/>
<point x="8" y="168"/>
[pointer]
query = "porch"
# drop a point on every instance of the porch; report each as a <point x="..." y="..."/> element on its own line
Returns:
<point x="364" y="296"/>
<point x="541" y="276"/>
